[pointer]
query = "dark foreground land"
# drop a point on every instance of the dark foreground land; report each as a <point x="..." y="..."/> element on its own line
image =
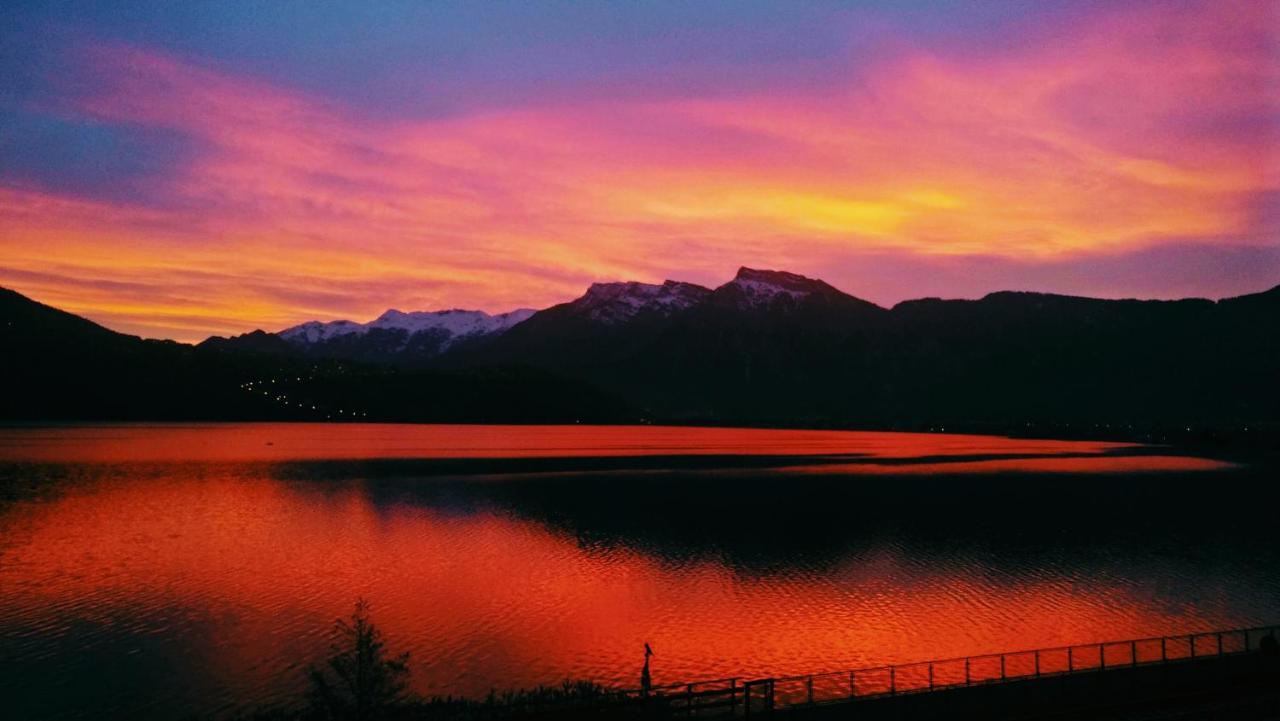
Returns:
<point x="1218" y="675"/>
<point x="1235" y="676"/>
<point x="1233" y="686"/>
<point x="1244" y="685"/>
<point x="1230" y="687"/>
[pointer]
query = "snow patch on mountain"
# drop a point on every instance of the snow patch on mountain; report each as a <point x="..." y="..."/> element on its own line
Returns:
<point x="314" y="331"/>
<point x="761" y="287"/>
<point x="454" y="324"/>
<point x="617" y="302"/>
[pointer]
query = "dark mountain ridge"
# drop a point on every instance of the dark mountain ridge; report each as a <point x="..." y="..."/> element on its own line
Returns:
<point x="767" y="347"/>
<point x="60" y="367"/>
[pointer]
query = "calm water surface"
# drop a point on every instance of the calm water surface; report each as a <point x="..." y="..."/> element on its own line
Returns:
<point x="163" y="571"/>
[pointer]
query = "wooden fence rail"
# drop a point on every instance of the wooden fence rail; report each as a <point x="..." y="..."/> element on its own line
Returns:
<point x="747" y="698"/>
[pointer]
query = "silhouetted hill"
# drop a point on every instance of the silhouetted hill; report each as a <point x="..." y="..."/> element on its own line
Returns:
<point x="1057" y="358"/>
<point x="258" y="341"/>
<point x="776" y="348"/>
<point x="605" y="326"/>
<point x="58" y="366"/>
<point x="61" y="366"/>
<point x="765" y="348"/>
<point x="394" y="338"/>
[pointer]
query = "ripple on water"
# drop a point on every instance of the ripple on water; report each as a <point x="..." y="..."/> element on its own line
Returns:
<point x="213" y="586"/>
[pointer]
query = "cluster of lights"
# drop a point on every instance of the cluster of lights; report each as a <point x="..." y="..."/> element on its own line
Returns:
<point x="266" y="388"/>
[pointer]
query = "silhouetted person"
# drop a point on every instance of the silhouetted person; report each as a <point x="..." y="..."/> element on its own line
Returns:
<point x="646" y="682"/>
<point x="1268" y="646"/>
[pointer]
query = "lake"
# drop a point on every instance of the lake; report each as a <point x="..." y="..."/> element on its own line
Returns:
<point x="160" y="571"/>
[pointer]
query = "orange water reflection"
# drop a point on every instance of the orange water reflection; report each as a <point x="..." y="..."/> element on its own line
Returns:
<point x="484" y="597"/>
<point x="235" y="573"/>
<point x="292" y="441"/>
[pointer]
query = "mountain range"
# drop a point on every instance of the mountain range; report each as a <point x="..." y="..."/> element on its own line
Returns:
<point x="767" y="347"/>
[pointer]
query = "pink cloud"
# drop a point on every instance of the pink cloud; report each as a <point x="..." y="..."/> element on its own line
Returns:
<point x="1102" y="136"/>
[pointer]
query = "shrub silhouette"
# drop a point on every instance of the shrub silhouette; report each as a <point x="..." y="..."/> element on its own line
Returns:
<point x="360" y="681"/>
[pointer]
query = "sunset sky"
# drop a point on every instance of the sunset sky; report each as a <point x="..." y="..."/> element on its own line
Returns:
<point x="185" y="169"/>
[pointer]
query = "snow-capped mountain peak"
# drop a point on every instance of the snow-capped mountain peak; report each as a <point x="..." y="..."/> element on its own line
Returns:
<point x="754" y="288"/>
<point x="456" y="321"/>
<point x="314" y="331"/>
<point x="614" y="302"/>
<point x="453" y="325"/>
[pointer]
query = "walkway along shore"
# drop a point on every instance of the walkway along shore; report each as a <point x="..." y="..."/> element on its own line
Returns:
<point x="1220" y="674"/>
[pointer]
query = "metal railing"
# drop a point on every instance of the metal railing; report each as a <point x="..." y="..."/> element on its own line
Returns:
<point x="746" y="698"/>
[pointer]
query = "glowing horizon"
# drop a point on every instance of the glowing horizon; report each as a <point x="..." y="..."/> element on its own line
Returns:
<point x="172" y="185"/>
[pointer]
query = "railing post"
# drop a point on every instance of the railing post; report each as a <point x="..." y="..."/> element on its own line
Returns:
<point x="1192" y="640"/>
<point x="1070" y="660"/>
<point x="688" y="699"/>
<point x="1037" y="664"/>
<point x="770" y="697"/>
<point x="1102" y="657"/>
<point x="1219" y="644"/>
<point x="931" y="675"/>
<point x="893" y="682"/>
<point x="1002" y="667"/>
<point x="1164" y="654"/>
<point x="809" y="687"/>
<point x="853" y="689"/>
<point x="966" y="672"/>
<point x="1133" y="652"/>
<point x="733" y="697"/>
